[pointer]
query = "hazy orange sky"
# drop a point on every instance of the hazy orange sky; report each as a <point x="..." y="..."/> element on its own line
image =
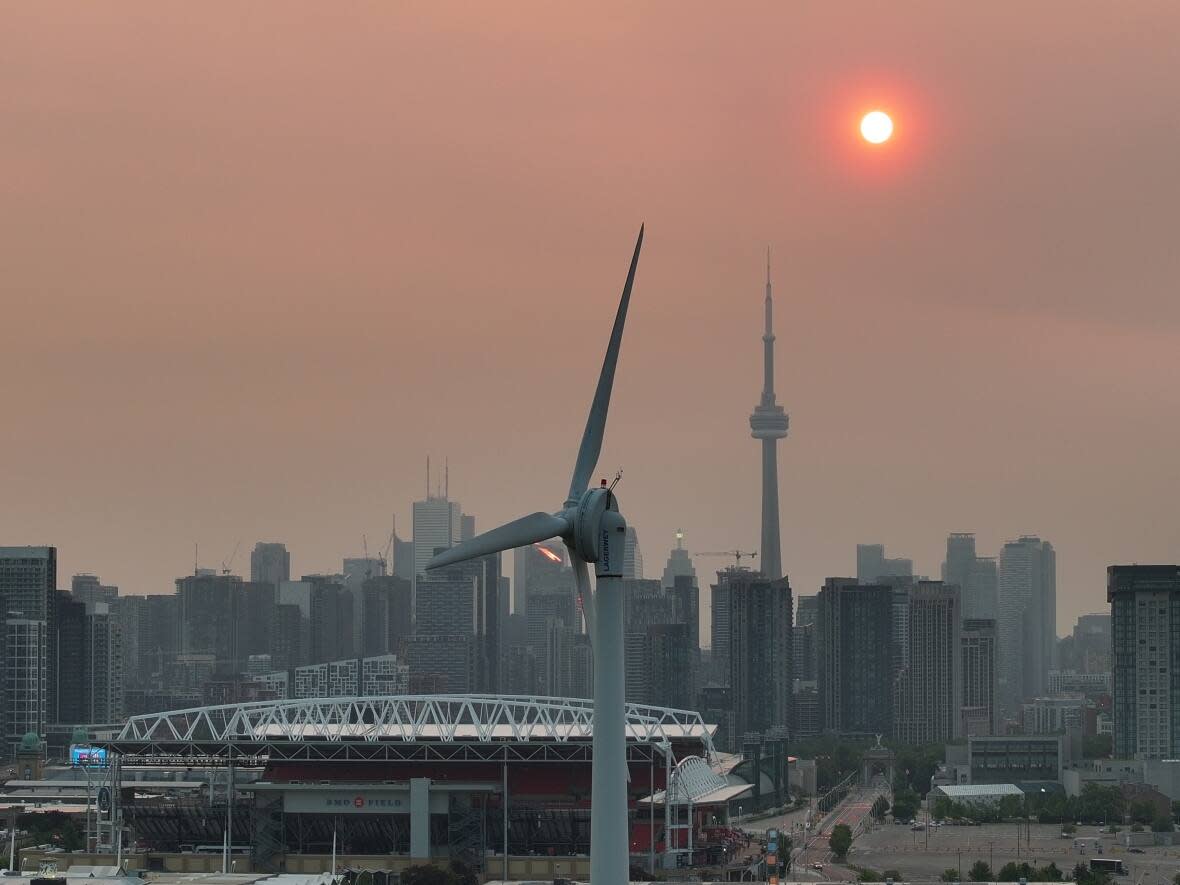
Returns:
<point x="261" y="259"/>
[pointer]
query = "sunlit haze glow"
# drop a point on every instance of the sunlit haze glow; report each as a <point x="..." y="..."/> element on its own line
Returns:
<point x="260" y="260"/>
<point x="876" y="127"/>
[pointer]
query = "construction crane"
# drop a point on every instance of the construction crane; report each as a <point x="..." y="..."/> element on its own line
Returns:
<point x="385" y="557"/>
<point x="227" y="563"/>
<point x="738" y="555"/>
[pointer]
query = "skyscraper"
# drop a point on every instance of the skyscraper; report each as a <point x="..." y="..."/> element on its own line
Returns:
<point x="769" y="424"/>
<point x="540" y="568"/>
<point x="760" y="651"/>
<point x="975" y="576"/>
<point x="854" y="628"/>
<point x="872" y="564"/>
<point x="1028" y="619"/>
<point x="632" y="555"/>
<point x="270" y="563"/>
<point x="1145" y="614"/>
<point x="438" y="524"/>
<point x="979" y="677"/>
<point x="679" y="564"/>
<point x="928" y="692"/>
<point x="28" y="580"/>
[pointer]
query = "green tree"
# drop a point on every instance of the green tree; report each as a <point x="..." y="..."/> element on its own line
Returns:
<point x="1098" y="804"/>
<point x="867" y="875"/>
<point x="950" y="874"/>
<point x="1009" y="872"/>
<point x="980" y="872"/>
<point x="1142" y="811"/>
<point x="905" y="805"/>
<point x="941" y="808"/>
<point x="1049" y="873"/>
<point x="840" y="840"/>
<point x="1176" y="879"/>
<point x="1011" y="806"/>
<point x="1069" y="827"/>
<point x="1162" y="824"/>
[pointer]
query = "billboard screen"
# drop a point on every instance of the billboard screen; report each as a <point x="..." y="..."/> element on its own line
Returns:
<point x="88" y="757"/>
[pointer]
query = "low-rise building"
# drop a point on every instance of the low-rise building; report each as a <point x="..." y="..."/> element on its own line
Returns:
<point x="981" y="795"/>
<point x="1015" y="758"/>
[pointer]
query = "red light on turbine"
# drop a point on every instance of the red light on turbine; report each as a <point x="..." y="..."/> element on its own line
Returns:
<point x="549" y="554"/>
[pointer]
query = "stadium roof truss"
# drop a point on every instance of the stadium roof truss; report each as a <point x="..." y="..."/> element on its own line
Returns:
<point x="397" y="727"/>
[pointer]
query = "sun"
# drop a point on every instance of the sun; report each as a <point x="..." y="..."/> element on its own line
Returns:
<point x="876" y="127"/>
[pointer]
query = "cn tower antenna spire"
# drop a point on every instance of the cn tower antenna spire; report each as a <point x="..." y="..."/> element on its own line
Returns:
<point x="769" y="424"/>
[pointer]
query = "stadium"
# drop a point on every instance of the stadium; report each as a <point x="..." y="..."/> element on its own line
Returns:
<point x="388" y="781"/>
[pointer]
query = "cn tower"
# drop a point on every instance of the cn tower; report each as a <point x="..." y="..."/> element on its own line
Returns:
<point x="768" y="423"/>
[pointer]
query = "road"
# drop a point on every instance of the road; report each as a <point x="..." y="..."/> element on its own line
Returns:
<point x="852" y="811"/>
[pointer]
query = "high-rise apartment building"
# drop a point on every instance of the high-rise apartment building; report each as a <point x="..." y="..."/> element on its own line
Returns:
<point x="356" y="571"/>
<point x="928" y="692"/>
<point x="1027" y="622"/>
<point x="1145" y="628"/>
<point x="760" y="650"/>
<point x="979" y="674"/>
<point x="28" y="580"/>
<point x="89" y="589"/>
<point x="719" y="628"/>
<point x="208" y="623"/>
<point x="872" y="564"/>
<point x="460" y="600"/>
<point x="270" y="563"/>
<point x="854" y="630"/>
<point x="331" y="620"/>
<point x="805" y="655"/>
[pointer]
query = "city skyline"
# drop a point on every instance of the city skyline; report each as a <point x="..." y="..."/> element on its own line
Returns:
<point x="257" y="330"/>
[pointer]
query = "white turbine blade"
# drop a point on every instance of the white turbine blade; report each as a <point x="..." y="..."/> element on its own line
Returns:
<point x="518" y="533"/>
<point x="596" y="421"/>
<point x="582" y="585"/>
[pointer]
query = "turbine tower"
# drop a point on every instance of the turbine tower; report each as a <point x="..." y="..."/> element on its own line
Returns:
<point x="768" y="423"/>
<point x="593" y="529"/>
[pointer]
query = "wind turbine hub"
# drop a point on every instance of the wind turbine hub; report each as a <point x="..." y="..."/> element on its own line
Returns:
<point x="588" y="538"/>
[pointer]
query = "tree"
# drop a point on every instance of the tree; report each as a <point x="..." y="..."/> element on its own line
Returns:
<point x="867" y="875"/>
<point x="1176" y="879"/>
<point x="1162" y="824"/>
<point x="840" y="840"/>
<point x="1011" y="806"/>
<point x="950" y="874"/>
<point x="1069" y="828"/>
<point x="980" y="872"/>
<point x="1047" y="874"/>
<point x="1099" y="804"/>
<point x="1142" y="811"/>
<point x="905" y="805"/>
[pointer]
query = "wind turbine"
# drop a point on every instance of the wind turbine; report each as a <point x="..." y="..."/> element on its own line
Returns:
<point x="593" y="530"/>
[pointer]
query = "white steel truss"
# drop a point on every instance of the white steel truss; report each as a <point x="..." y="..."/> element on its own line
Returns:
<point x="408" y="719"/>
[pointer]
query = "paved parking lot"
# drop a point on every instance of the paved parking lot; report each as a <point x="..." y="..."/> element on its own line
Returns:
<point x="925" y="854"/>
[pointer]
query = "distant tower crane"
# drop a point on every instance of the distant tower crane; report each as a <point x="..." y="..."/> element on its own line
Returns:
<point x="738" y="555"/>
<point x="227" y="563"/>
